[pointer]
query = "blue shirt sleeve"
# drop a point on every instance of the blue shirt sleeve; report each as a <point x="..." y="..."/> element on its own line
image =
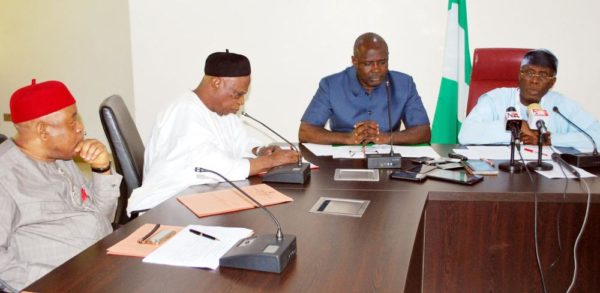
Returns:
<point x="414" y="113"/>
<point x="319" y="110"/>
<point x="564" y="134"/>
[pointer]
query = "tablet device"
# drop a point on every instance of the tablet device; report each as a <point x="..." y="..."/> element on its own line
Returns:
<point x="423" y="168"/>
<point x="408" y="176"/>
<point x="459" y="177"/>
<point x="450" y="166"/>
<point x="481" y="167"/>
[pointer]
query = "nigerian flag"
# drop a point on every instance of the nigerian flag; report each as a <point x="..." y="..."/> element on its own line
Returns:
<point x="452" y="100"/>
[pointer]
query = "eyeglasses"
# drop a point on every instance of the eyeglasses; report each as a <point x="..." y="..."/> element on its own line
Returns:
<point x="529" y="75"/>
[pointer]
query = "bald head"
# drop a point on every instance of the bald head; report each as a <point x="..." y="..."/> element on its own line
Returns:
<point x="369" y="41"/>
<point x="370" y="60"/>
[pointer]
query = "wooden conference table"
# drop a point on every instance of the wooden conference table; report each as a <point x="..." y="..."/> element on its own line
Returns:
<point x="430" y="237"/>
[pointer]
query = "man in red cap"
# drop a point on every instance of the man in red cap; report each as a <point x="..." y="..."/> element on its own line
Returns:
<point x="49" y="211"/>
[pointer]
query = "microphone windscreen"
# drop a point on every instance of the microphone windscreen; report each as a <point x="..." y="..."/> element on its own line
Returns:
<point x="535" y="113"/>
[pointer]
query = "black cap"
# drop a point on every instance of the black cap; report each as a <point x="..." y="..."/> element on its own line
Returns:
<point x="541" y="57"/>
<point x="225" y="64"/>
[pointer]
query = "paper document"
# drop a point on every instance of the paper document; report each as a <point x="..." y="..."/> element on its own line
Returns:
<point x="130" y="246"/>
<point x="319" y="149"/>
<point x="557" y="173"/>
<point x="529" y="152"/>
<point x="187" y="249"/>
<point x="231" y="200"/>
<point x="358" y="151"/>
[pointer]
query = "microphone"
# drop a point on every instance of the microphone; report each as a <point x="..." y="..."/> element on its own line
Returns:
<point x="512" y="119"/>
<point x="535" y="113"/>
<point x="267" y="253"/>
<point x="391" y="160"/>
<point x="556" y="157"/>
<point x="512" y="122"/>
<point x="288" y="173"/>
<point x="581" y="160"/>
<point x="537" y="119"/>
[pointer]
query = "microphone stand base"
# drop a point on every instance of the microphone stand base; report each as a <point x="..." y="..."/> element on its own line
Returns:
<point x="384" y="161"/>
<point x="541" y="166"/>
<point x="289" y="173"/>
<point x="582" y="160"/>
<point x="515" y="167"/>
<point x="261" y="253"/>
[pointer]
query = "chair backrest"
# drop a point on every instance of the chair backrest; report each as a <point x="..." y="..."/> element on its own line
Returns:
<point x="127" y="149"/>
<point x="2" y="138"/>
<point x="493" y="68"/>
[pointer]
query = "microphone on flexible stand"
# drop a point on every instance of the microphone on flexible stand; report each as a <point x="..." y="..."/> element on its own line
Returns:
<point x="581" y="160"/>
<point x="556" y="157"/>
<point x="267" y="253"/>
<point x="513" y="123"/>
<point x="288" y="173"/>
<point x="391" y="160"/>
<point x="536" y="118"/>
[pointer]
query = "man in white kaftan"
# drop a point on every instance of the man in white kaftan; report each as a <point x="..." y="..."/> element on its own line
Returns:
<point x="201" y="129"/>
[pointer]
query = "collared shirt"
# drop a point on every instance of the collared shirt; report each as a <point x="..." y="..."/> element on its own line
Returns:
<point x="485" y="124"/>
<point x="343" y="101"/>
<point x="187" y="135"/>
<point x="44" y="220"/>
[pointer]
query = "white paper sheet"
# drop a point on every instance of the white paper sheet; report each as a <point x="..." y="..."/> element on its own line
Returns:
<point x="319" y="149"/>
<point x="357" y="151"/>
<point x="190" y="250"/>
<point x="529" y="152"/>
<point x="557" y="173"/>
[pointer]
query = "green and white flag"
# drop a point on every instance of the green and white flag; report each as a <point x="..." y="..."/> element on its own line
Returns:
<point x="452" y="100"/>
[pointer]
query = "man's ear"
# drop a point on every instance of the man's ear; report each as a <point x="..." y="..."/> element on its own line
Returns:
<point x="216" y="82"/>
<point x="41" y="128"/>
<point x="553" y="82"/>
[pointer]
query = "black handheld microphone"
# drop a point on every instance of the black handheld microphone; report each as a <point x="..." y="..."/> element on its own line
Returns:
<point x="251" y="253"/>
<point x="512" y="119"/>
<point x="391" y="160"/>
<point x="289" y="173"/>
<point x="556" y="157"/>
<point x="512" y="122"/>
<point x="581" y="160"/>
<point x="541" y="126"/>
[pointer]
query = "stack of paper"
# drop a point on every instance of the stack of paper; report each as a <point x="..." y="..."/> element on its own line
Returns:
<point x="191" y="250"/>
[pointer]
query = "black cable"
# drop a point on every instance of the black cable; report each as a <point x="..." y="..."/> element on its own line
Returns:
<point x="585" y="218"/>
<point x="559" y="214"/>
<point x="535" y="225"/>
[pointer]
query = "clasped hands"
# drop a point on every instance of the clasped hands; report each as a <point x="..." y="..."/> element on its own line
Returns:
<point x="364" y="132"/>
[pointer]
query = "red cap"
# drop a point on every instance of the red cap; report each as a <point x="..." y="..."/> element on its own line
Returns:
<point x="37" y="100"/>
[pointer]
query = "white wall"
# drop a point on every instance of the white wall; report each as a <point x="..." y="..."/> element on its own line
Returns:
<point x="85" y="44"/>
<point x="292" y="44"/>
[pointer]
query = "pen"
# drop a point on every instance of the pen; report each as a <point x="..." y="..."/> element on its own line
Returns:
<point x="489" y="162"/>
<point x="204" y="235"/>
<point x="532" y="151"/>
<point x="154" y="229"/>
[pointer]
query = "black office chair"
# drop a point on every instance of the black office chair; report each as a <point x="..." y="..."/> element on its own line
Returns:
<point x="127" y="149"/>
<point x="2" y="138"/>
